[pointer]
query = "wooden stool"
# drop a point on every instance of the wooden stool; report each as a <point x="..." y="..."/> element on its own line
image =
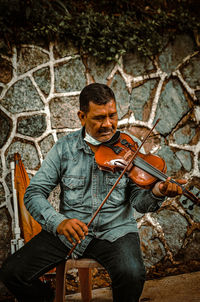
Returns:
<point x="84" y="267"/>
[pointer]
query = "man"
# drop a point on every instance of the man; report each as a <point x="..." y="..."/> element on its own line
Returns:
<point x="112" y="238"/>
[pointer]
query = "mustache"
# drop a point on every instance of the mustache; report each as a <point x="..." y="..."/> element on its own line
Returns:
<point x="105" y="130"/>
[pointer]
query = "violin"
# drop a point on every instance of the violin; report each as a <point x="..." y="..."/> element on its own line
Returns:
<point x="144" y="170"/>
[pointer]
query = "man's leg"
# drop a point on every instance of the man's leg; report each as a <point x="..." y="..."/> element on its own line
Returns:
<point x="20" y="272"/>
<point x="123" y="261"/>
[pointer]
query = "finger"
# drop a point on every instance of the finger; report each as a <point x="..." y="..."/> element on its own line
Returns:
<point x="164" y="185"/>
<point x="77" y="228"/>
<point x="180" y="190"/>
<point x="72" y="235"/>
<point x="68" y="236"/>
<point x="173" y="190"/>
<point x="83" y="226"/>
<point x="181" y="181"/>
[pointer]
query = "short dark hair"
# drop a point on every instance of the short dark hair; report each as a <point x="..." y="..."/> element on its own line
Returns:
<point x="97" y="93"/>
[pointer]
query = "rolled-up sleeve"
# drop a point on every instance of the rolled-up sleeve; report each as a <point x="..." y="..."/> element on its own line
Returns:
<point x="37" y="193"/>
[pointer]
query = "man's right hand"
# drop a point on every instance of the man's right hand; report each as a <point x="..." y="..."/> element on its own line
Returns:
<point x="73" y="229"/>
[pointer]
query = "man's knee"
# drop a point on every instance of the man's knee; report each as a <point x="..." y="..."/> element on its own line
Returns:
<point x="129" y="274"/>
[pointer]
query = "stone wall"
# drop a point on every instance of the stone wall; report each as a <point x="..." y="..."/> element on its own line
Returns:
<point x="39" y="90"/>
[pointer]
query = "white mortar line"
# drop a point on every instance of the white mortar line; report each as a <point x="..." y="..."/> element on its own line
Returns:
<point x="17" y="78"/>
<point x="35" y="47"/>
<point x="190" y="90"/>
<point x="154" y="222"/>
<point x="197" y="113"/>
<point x="14" y="61"/>
<point x="40" y="155"/>
<point x="186" y="59"/>
<point x="37" y="88"/>
<point x="8" y="113"/>
<point x="195" y="149"/>
<point x="29" y="113"/>
<point x="156" y="99"/>
<point x="52" y="75"/>
<point x="64" y="94"/>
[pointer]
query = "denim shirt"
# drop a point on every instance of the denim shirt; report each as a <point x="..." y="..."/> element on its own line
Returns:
<point x="71" y="164"/>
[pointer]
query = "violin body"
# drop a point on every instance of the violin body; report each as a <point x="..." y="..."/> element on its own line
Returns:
<point x="116" y="157"/>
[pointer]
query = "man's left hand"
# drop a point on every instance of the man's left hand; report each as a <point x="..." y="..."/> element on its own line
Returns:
<point x="171" y="189"/>
<point x="168" y="188"/>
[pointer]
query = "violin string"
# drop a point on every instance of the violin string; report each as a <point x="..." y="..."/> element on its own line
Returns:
<point x="152" y="170"/>
<point x="159" y="174"/>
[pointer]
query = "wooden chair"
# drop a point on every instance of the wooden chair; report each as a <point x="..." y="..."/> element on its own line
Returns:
<point x="84" y="267"/>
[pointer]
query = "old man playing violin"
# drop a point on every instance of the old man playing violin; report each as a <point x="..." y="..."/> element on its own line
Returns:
<point x="112" y="238"/>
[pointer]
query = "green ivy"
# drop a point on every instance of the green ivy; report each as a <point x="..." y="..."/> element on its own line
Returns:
<point x="104" y="29"/>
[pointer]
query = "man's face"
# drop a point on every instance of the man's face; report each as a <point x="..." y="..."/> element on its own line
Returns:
<point x="100" y="121"/>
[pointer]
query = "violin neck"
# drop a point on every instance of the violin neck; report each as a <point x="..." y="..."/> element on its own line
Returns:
<point x="142" y="164"/>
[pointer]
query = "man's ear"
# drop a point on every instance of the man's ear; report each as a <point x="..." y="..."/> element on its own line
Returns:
<point x="81" y="116"/>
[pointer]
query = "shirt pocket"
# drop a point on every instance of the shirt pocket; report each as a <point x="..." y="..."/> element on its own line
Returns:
<point x="118" y="195"/>
<point x="73" y="187"/>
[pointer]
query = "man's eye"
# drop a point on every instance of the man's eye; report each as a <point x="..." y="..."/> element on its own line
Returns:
<point x="99" y="118"/>
<point x="113" y="115"/>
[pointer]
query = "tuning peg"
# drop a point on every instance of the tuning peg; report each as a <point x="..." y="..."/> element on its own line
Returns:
<point x="184" y="201"/>
<point x="191" y="207"/>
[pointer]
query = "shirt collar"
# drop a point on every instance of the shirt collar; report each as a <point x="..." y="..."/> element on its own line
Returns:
<point x="81" y="144"/>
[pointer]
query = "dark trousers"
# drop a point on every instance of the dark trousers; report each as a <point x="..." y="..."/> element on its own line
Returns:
<point x="122" y="259"/>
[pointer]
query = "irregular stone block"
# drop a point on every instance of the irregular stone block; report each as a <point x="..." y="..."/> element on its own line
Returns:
<point x="140" y="101"/>
<point x="46" y="144"/>
<point x="63" y="49"/>
<point x="5" y="234"/>
<point x="64" y="112"/>
<point x="6" y="127"/>
<point x="8" y="180"/>
<point x="2" y="194"/>
<point x="174" y="227"/>
<point x="30" y="57"/>
<point x="1" y="170"/>
<point x="43" y="79"/>
<point x="121" y="94"/>
<point x="172" y="106"/>
<point x="185" y="159"/>
<point x="185" y="134"/>
<point x="152" y="248"/>
<point x="136" y="65"/>
<point x="172" y="162"/>
<point x="28" y="154"/>
<point x="70" y="76"/>
<point x="6" y="71"/>
<point x="32" y="125"/>
<point x="192" y="249"/>
<point x="99" y="73"/>
<point x="191" y="72"/>
<point x="175" y="52"/>
<point x="22" y="96"/>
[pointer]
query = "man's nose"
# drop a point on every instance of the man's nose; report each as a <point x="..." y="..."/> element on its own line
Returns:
<point x="107" y="122"/>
